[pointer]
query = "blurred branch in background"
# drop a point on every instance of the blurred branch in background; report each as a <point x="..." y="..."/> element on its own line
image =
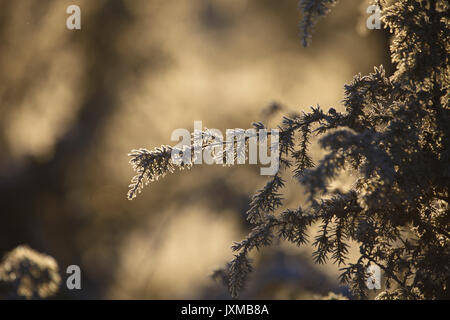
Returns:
<point x="24" y="185"/>
<point x="27" y="274"/>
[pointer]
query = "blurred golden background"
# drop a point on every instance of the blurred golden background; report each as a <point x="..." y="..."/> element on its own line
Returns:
<point x="74" y="103"/>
